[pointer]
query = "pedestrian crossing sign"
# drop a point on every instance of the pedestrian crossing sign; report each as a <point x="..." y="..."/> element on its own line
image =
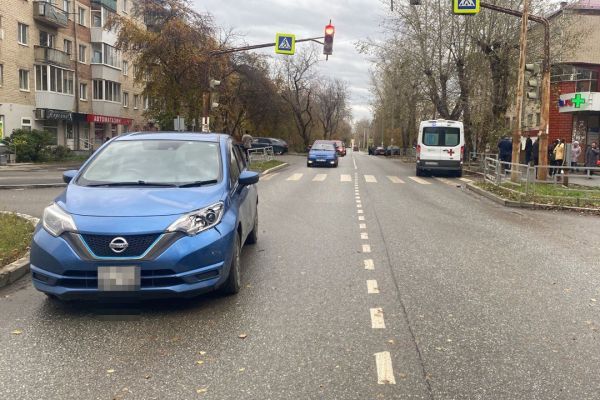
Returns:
<point x="466" y="6"/>
<point x="285" y="43"/>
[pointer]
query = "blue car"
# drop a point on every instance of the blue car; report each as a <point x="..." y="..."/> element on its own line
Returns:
<point x="150" y="215"/>
<point x="322" y="153"/>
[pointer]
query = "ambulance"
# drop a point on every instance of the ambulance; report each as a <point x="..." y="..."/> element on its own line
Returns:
<point x="440" y="147"/>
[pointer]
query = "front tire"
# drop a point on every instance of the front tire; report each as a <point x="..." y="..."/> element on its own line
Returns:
<point x="234" y="280"/>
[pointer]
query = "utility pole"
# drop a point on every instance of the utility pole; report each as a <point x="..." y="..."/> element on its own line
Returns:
<point x="516" y="137"/>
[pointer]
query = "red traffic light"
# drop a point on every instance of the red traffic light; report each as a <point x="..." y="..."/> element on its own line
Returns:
<point x="329" y="30"/>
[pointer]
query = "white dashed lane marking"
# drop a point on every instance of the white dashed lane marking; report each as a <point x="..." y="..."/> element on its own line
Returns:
<point x="320" y="178"/>
<point x="372" y="287"/>
<point x="419" y="180"/>
<point x="361" y="217"/>
<point x="366" y="248"/>
<point x="295" y="177"/>
<point x="369" y="264"/>
<point x="269" y="176"/>
<point x="370" y="179"/>
<point x="385" y="371"/>
<point x="395" y="179"/>
<point x="346" y="178"/>
<point x="362" y="226"/>
<point x="360" y="211"/>
<point x="377" y="321"/>
<point x="364" y="236"/>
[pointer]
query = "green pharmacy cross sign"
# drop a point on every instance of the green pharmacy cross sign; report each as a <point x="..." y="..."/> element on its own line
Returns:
<point x="578" y="100"/>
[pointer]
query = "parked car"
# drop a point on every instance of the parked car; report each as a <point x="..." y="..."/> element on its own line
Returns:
<point x="149" y="215"/>
<point x="355" y="148"/>
<point x="379" y="151"/>
<point x="340" y="147"/>
<point x="279" y="146"/>
<point x="440" y="147"/>
<point x="322" y="153"/>
<point x="392" y="151"/>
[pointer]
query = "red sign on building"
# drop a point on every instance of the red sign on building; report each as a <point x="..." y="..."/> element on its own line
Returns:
<point x="103" y="119"/>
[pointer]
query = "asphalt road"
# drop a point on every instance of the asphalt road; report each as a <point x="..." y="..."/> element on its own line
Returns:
<point x="471" y="301"/>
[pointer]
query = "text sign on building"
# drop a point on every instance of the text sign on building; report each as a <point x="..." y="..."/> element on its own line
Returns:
<point x="285" y="43"/>
<point x="104" y="119"/>
<point x="466" y="6"/>
<point x="577" y="102"/>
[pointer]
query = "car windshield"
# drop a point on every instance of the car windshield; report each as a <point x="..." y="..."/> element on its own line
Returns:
<point x="323" y="146"/>
<point x="154" y="162"/>
<point x="441" y="136"/>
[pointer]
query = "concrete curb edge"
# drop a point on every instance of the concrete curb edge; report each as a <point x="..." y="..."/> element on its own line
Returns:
<point x="277" y="168"/>
<point x="15" y="270"/>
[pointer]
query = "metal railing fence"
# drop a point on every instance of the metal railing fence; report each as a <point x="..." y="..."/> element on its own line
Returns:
<point x="260" y="154"/>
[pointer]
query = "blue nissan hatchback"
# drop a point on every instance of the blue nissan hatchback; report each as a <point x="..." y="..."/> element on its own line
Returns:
<point x="149" y="215"/>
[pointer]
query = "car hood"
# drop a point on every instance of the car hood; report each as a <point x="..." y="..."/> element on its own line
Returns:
<point x="136" y="201"/>
<point x="321" y="153"/>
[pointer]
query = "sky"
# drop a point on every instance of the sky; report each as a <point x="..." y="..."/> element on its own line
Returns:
<point x="259" y="20"/>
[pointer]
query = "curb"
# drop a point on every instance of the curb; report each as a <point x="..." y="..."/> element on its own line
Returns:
<point x="33" y="186"/>
<point x="530" y="206"/>
<point x="15" y="270"/>
<point x="277" y="168"/>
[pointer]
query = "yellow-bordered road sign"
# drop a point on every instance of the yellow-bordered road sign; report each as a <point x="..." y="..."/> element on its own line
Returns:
<point x="466" y="6"/>
<point x="285" y="43"/>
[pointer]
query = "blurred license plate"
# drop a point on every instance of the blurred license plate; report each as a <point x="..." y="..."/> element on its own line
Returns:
<point x="431" y="163"/>
<point x="320" y="160"/>
<point x="122" y="278"/>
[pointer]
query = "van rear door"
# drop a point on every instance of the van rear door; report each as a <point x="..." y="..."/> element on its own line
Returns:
<point x="440" y="143"/>
<point x="450" y="149"/>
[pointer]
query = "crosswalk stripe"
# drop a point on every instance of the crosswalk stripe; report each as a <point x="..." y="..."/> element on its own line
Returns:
<point x="295" y="177"/>
<point x="446" y="181"/>
<point x="395" y="179"/>
<point x="269" y="176"/>
<point x="346" y="178"/>
<point x="465" y="180"/>
<point x="419" y="180"/>
<point x="320" y="178"/>
<point x="370" y="179"/>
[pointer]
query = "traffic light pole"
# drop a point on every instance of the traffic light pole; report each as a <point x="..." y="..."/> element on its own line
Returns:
<point x="545" y="114"/>
<point x="260" y="46"/>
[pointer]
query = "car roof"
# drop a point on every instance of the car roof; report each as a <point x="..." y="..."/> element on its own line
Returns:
<point x="166" y="135"/>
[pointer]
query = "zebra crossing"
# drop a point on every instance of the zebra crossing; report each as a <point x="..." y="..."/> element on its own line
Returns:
<point x="369" y="179"/>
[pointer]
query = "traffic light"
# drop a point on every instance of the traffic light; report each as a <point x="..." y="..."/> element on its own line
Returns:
<point x="533" y="83"/>
<point x="328" y="41"/>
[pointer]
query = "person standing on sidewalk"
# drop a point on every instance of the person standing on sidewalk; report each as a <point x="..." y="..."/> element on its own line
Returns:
<point x="247" y="143"/>
<point x="575" y="153"/>
<point x="591" y="158"/>
<point x="535" y="149"/>
<point x="559" y="155"/>
<point x="528" y="150"/>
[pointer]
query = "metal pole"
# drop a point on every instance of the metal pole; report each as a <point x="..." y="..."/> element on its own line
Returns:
<point x="516" y="145"/>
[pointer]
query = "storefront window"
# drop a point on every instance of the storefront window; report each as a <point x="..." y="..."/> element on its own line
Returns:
<point x="51" y="126"/>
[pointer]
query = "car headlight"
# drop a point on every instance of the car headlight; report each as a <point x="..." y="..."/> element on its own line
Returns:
<point x="56" y="220"/>
<point x="197" y="221"/>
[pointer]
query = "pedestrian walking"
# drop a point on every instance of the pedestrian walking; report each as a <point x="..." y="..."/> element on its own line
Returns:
<point x="559" y="155"/>
<point x="591" y="158"/>
<point x="536" y="152"/>
<point x="528" y="150"/>
<point x="551" y="156"/>
<point x="575" y="153"/>
<point x="247" y="143"/>
<point x="505" y="151"/>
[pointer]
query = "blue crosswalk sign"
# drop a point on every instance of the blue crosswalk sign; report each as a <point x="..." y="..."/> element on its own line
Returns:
<point x="466" y="6"/>
<point x="285" y="43"/>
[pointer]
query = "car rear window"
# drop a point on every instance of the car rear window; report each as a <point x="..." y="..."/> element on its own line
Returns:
<point x="441" y="136"/>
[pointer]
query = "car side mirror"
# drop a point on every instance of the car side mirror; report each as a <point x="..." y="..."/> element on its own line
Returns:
<point x="69" y="175"/>
<point x="248" y="178"/>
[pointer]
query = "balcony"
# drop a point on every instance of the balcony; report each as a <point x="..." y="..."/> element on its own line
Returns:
<point x="110" y="4"/>
<point x="50" y="15"/>
<point x="49" y="55"/>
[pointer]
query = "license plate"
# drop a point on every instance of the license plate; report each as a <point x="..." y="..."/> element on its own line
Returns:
<point x="120" y="279"/>
<point x="320" y="160"/>
<point x="431" y="163"/>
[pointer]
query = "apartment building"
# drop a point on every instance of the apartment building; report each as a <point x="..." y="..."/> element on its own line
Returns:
<point x="60" y="71"/>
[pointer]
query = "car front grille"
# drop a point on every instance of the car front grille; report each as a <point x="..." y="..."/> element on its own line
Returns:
<point x="137" y="244"/>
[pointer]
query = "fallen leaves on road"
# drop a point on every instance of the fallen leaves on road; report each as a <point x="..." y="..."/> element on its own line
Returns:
<point x="110" y="371"/>
<point x="199" y="362"/>
<point x="242" y="369"/>
<point x="146" y="376"/>
<point x="202" y="390"/>
<point x="242" y="335"/>
<point x="202" y="353"/>
<point x="17" y="332"/>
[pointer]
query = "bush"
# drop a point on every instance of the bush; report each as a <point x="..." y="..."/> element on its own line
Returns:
<point x="31" y="146"/>
<point x="58" y="153"/>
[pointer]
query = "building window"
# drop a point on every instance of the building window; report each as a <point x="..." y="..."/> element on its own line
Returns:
<point x="66" y="5"/>
<point x="529" y="120"/>
<point x="23" y="34"/>
<point x="146" y="102"/>
<point x="1" y="74"/>
<point x="82" y="54"/>
<point x="125" y="99"/>
<point x="57" y="79"/>
<point x="98" y="90"/>
<point x="83" y="91"/>
<point x="68" y="46"/>
<point x="107" y="90"/>
<point x="96" y="19"/>
<point x="136" y="101"/>
<point x="125" y="6"/>
<point x="96" y="53"/>
<point x="106" y="54"/>
<point x="125" y="67"/>
<point x="81" y="16"/>
<point x="538" y="119"/>
<point x="26" y="124"/>
<point x="24" y="80"/>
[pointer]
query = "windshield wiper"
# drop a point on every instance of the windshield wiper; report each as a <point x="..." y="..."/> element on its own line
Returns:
<point x="138" y="183"/>
<point x="198" y="183"/>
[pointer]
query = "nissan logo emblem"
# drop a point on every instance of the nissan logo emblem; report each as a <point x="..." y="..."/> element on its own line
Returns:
<point x="118" y="245"/>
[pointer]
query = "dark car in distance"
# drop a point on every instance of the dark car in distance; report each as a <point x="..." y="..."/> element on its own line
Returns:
<point x="392" y="151"/>
<point x="279" y="146"/>
<point x="379" y="151"/>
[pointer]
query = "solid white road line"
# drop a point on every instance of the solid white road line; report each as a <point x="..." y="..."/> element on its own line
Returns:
<point x="362" y="226"/>
<point x="369" y="264"/>
<point x="364" y="235"/>
<point x="372" y="287"/>
<point x="366" y="248"/>
<point x="320" y="178"/>
<point x="295" y="177"/>
<point x="419" y="180"/>
<point x="370" y="179"/>
<point x="361" y="217"/>
<point x="395" y="179"/>
<point x="465" y="180"/>
<point x="385" y="371"/>
<point x="377" y="321"/>
<point x="346" y="178"/>
<point x="269" y="176"/>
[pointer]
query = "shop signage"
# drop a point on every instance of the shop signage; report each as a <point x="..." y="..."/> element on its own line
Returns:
<point x="575" y="102"/>
<point x="103" y="119"/>
<point x="59" y="115"/>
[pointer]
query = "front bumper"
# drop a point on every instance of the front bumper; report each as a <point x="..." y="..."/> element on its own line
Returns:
<point x="440" y="165"/>
<point x="321" y="162"/>
<point x="188" y="266"/>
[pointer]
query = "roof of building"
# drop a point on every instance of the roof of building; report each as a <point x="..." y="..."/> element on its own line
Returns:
<point x="578" y="5"/>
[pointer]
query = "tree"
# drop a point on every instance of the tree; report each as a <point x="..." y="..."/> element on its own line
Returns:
<point x="332" y="105"/>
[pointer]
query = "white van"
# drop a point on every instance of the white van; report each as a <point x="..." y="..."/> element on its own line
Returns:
<point x="440" y="147"/>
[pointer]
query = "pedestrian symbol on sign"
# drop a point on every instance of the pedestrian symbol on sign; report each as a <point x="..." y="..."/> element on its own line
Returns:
<point x="466" y="6"/>
<point x="285" y="43"/>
